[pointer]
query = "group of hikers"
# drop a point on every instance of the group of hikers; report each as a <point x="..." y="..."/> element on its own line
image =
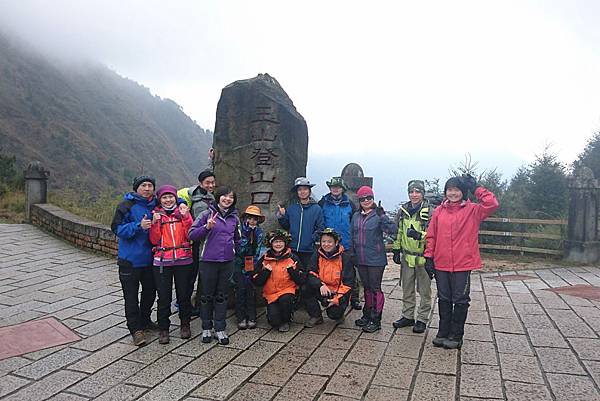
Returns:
<point x="195" y="235"/>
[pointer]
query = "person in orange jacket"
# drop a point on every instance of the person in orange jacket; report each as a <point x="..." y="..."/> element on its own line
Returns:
<point x="172" y="259"/>
<point x="329" y="280"/>
<point x="280" y="275"/>
<point x="452" y="252"/>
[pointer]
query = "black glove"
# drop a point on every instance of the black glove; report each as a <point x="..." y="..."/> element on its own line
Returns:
<point x="414" y="234"/>
<point x="397" y="255"/>
<point x="379" y="209"/>
<point x="295" y="274"/>
<point x="429" y="267"/>
<point x="470" y="182"/>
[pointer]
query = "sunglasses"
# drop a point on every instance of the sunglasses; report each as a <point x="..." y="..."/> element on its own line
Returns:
<point x="365" y="198"/>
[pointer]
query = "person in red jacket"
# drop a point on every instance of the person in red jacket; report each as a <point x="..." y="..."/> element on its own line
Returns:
<point x="452" y="251"/>
<point x="172" y="259"/>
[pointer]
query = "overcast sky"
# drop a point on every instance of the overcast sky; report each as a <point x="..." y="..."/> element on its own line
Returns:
<point x="401" y="85"/>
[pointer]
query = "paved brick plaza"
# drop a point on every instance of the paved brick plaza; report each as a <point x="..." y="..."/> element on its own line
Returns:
<point x="522" y="342"/>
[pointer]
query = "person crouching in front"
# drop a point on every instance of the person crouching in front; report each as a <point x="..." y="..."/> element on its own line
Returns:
<point x="329" y="280"/>
<point x="280" y="275"/>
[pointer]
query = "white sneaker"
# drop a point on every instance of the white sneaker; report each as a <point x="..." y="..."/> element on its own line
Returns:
<point x="222" y="338"/>
<point x="207" y="336"/>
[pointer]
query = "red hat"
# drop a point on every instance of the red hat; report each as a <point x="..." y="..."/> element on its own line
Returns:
<point x="364" y="191"/>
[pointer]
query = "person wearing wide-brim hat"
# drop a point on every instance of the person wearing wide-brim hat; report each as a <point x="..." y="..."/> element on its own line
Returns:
<point x="337" y="214"/>
<point x="249" y="253"/>
<point x="303" y="220"/>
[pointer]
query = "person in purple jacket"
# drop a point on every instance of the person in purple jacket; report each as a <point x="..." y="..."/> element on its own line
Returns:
<point x="218" y="228"/>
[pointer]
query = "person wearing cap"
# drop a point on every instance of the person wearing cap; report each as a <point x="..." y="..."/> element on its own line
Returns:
<point x="131" y="224"/>
<point x="198" y="198"/>
<point x="171" y="220"/>
<point x="279" y="272"/>
<point x="337" y="214"/>
<point x="303" y="220"/>
<point x="413" y="218"/>
<point x="452" y="252"/>
<point x="218" y="230"/>
<point x="250" y="251"/>
<point x="329" y="281"/>
<point x="367" y="228"/>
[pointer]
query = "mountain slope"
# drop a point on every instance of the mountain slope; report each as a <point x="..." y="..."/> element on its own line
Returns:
<point x="91" y="127"/>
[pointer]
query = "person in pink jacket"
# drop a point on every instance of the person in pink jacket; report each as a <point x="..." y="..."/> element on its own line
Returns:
<point x="452" y="251"/>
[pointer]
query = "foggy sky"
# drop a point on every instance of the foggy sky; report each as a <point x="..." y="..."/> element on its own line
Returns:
<point x="404" y="88"/>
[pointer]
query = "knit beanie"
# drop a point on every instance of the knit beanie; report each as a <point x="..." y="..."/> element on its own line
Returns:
<point x="166" y="189"/>
<point x="456" y="182"/>
<point x="416" y="185"/>
<point x="139" y="180"/>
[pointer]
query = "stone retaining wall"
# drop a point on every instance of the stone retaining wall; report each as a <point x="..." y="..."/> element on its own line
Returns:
<point x="83" y="233"/>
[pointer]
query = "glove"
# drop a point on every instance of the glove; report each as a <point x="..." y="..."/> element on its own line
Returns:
<point x="414" y="234"/>
<point x="379" y="209"/>
<point x="430" y="267"/>
<point x="397" y="256"/>
<point x="294" y="274"/>
<point x="470" y="182"/>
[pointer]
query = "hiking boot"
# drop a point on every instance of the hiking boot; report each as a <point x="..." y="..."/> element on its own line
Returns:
<point x="243" y="324"/>
<point x="419" y="327"/>
<point x="314" y="321"/>
<point x="438" y="341"/>
<point x="185" y="331"/>
<point x="284" y="328"/>
<point x="453" y="343"/>
<point x="251" y="324"/>
<point x="372" y="327"/>
<point x="139" y="338"/>
<point x="163" y="337"/>
<point x="403" y="322"/>
<point x="206" y="336"/>
<point x="355" y="305"/>
<point x="222" y="338"/>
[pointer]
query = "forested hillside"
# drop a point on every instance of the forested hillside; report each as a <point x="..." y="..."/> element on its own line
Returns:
<point x="91" y="127"/>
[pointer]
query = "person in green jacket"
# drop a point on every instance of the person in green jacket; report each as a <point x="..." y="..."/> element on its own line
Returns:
<point x="413" y="218"/>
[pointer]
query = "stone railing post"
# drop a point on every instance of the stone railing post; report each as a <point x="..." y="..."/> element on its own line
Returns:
<point x="582" y="243"/>
<point x="36" y="185"/>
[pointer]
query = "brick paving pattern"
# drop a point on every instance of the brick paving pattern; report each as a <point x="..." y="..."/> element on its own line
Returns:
<point x="522" y="342"/>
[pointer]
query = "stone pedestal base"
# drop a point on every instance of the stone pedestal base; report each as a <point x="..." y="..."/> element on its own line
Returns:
<point x="582" y="252"/>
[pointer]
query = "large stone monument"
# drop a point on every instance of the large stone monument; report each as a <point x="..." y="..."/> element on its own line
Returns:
<point x="354" y="177"/>
<point x="260" y="143"/>
<point x="583" y="242"/>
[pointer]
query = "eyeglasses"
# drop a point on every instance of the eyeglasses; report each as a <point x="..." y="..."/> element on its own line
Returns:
<point x="365" y="198"/>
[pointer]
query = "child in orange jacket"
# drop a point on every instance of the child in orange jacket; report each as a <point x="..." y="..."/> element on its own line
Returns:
<point x="277" y="271"/>
<point x="172" y="259"/>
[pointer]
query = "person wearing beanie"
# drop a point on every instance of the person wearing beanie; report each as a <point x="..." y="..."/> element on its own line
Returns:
<point x="452" y="252"/>
<point x="250" y="251"/>
<point x="218" y="230"/>
<point x="413" y="219"/>
<point x="303" y="219"/>
<point x="337" y="214"/>
<point x="367" y="228"/>
<point x="198" y="198"/>
<point x="131" y="224"/>
<point x="279" y="272"/>
<point x="171" y="220"/>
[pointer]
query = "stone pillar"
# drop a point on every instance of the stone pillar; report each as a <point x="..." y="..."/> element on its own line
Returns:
<point x="354" y="177"/>
<point x="260" y="144"/>
<point x="582" y="244"/>
<point x="36" y="185"/>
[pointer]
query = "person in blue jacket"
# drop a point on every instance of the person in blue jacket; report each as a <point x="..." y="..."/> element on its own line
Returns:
<point x="303" y="220"/>
<point x="337" y="214"/>
<point x="131" y="224"/>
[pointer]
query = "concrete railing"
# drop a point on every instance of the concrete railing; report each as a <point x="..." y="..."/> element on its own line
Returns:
<point x="80" y="232"/>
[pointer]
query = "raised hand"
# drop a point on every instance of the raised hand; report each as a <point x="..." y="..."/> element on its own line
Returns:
<point x="155" y="217"/>
<point x="281" y="210"/>
<point x="146" y="223"/>
<point x="210" y="223"/>
<point x="184" y="209"/>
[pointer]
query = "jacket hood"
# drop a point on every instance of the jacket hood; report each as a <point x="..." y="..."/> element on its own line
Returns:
<point x="215" y="209"/>
<point x="270" y="255"/>
<point x="454" y="205"/>
<point x="344" y="199"/>
<point x="311" y="201"/>
<point x="134" y="196"/>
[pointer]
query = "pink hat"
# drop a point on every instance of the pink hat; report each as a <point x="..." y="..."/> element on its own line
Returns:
<point x="364" y="191"/>
<point x="166" y="189"/>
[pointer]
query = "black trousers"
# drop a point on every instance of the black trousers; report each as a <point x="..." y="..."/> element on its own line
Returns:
<point x="195" y="277"/>
<point x="245" y="297"/>
<point x="137" y="312"/>
<point x="214" y="278"/>
<point x="313" y="298"/>
<point x="280" y="311"/>
<point x="164" y="284"/>
<point x="454" y="287"/>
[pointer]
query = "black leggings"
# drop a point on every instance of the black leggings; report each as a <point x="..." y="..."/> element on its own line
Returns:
<point x="164" y="284"/>
<point x="215" y="278"/>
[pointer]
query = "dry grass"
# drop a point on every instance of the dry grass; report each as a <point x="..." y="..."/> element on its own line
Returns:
<point x="12" y="207"/>
<point x="99" y="208"/>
